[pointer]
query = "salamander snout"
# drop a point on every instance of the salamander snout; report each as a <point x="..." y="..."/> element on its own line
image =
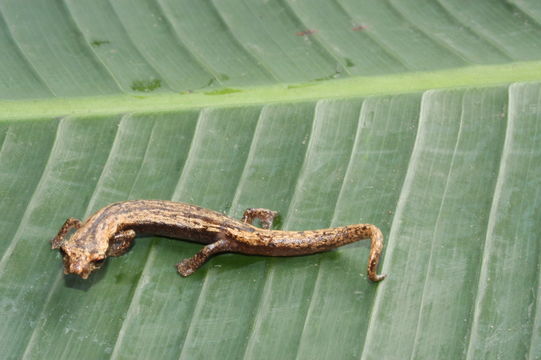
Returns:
<point x="78" y="268"/>
<point x="81" y="265"/>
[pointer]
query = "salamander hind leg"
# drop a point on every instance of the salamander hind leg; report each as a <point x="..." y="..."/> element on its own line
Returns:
<point x="121" y="243"/>
<point x="188" y="266"/>
<point x="266" y="216"/>
<point x="71" y="223"/>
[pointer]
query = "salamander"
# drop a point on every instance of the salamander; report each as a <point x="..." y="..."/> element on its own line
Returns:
<point x="111" y="232"/>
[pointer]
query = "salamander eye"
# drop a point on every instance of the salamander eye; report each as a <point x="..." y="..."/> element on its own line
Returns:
<point x="97" y="263"/>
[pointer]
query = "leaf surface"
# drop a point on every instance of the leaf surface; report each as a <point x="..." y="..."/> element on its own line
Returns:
<point x="421" y="118"/>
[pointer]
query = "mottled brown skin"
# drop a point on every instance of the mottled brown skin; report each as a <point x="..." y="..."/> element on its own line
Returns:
<point x="111" y="231"/>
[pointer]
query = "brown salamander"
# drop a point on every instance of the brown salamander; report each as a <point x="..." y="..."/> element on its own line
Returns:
<point x="111" y="232"/>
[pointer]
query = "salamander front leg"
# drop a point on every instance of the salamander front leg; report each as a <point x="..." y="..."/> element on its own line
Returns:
<point x="121" y="243"/>
<point x="188" y="266"/>
<point x="71" y="223"/>
<point x="266" y="216"/>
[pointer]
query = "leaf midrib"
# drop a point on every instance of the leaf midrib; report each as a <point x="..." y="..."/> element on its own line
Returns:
<point x="471" y="76"/>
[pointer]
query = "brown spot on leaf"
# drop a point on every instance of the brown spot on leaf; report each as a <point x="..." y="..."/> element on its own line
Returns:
<point x="306" y="32"/>
<point x="359" y="28"/>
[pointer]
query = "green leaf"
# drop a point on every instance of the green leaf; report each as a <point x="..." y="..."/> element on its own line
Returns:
<point x="419" y="117"/>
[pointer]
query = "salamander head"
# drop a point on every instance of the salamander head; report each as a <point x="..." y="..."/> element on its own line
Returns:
<point x="79" y="258"/>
